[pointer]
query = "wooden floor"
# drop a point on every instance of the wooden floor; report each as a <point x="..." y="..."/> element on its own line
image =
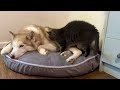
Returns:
<point x="6" y="73"/>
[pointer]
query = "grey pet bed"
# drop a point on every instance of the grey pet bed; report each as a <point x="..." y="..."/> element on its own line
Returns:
<point x="52" y="65"/>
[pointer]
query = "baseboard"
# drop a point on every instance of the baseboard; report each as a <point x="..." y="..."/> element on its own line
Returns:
<point x="2" y="44"/>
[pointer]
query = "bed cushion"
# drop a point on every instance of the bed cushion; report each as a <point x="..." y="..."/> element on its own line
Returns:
<point x="51" y="65"/>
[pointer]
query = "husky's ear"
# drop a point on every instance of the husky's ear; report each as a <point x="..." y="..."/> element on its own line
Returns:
<point x="30" y="35"/>
<point x="13" y="34"/>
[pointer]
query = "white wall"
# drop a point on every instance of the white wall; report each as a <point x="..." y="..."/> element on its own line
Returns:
<point x="13" y="20"/>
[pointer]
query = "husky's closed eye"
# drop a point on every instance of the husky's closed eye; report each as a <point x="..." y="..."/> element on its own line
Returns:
<point x="21" y="46"/>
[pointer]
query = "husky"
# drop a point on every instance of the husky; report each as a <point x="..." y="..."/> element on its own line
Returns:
<point x="29" y="38"/>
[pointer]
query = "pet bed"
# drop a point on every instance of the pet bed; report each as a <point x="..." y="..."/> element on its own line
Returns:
<point x="51" y="65"/>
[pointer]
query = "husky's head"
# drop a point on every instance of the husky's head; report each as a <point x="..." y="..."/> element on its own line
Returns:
<point x="29" y="38"/>
<point x="21" y="43"/>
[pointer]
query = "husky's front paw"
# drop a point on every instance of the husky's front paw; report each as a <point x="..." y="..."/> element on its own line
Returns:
<point x="43" y="51"/>
<point x="7" y="49"/>
<point x="3" y="52"/>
